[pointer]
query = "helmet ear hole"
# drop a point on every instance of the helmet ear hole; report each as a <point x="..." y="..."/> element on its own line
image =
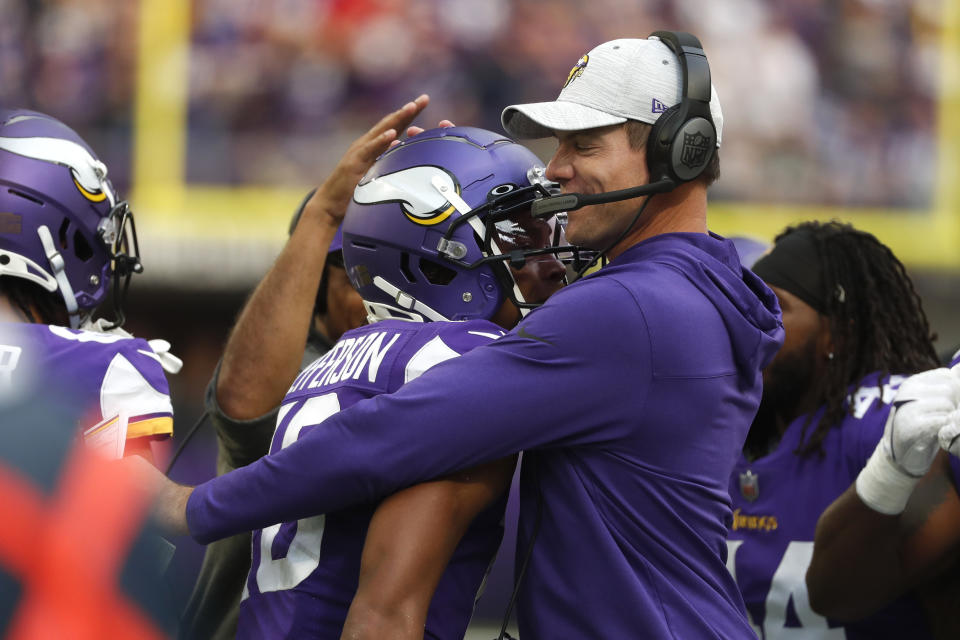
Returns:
<point x="81" y="247"/>
<point x="62" y="233"/>
<point x="405" y="267"/>
<point x="436" y="273"/>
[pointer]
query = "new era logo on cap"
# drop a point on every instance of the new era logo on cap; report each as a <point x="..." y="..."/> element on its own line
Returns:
<point x="657" y="106"/>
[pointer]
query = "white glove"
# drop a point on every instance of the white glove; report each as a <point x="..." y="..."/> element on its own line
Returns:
<point x="950" y="433"/>
<point x="924" y="404"/>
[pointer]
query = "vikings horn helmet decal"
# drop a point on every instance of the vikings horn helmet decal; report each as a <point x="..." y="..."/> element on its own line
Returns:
<point x="413" y="189"/>
<point x="62" y="226"/>
<point x="89" y="174"/>
<point x="435" y="221"/>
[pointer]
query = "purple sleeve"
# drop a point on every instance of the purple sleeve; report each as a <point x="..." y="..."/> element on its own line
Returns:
<point x="496" y="400"/>
<point x="141" y="354"/>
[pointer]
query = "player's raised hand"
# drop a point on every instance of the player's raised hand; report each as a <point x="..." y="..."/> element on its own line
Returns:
<point x="950" y="433"/>
<point x="923" y="406"/>
<point x="333" y="196"/>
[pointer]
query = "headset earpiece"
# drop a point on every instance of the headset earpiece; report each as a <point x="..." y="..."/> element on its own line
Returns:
<point x="684" y="138"/>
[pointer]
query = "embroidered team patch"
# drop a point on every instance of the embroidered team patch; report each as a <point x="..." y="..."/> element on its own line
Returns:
<point x="577" y="70"/>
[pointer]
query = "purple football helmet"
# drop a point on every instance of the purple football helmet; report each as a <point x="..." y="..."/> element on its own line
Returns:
<point x="62" y="226"/>
<point x="438" y="221"/>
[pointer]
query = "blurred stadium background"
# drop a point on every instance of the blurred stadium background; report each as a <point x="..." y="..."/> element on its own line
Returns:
<point x="216" y="116"/>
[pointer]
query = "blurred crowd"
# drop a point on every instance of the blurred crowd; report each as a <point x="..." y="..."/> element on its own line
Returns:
<point x="846" y="114"/>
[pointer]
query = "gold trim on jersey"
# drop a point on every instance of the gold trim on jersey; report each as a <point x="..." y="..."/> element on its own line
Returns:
<point x="150" y="427"/>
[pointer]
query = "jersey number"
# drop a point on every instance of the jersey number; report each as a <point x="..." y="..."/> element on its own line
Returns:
<point x="789" y="585"/>
<point x="302" y="555"/>
<point x="9" y="356"/>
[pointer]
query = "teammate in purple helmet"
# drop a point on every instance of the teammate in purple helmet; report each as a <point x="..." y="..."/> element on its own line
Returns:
<point x="66" y="240"/>
<point x="461" y="187"/>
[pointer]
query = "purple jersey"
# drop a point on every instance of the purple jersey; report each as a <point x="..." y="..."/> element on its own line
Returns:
<point x="304" y="573"/>
<point x="630" y="391"/>
<point x="777" y="500"/>
<point x="104" y="374"/>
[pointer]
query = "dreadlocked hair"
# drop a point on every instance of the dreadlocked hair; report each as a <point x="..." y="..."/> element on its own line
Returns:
<point x="28" y="296"/>
<point x="876" y="320"/>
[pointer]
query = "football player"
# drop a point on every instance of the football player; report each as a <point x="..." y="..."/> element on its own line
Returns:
<point x="66" y="238"/>
<point x="855" y="328"/>
<point x="305" y="297"/>
<point x="460" y="187"/>
<point x="629" y="391"/>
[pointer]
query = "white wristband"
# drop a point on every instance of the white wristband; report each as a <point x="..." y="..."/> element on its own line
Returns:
<point x="882" y="486"/>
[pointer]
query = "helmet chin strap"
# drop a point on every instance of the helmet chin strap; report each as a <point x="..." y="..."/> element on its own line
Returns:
<point x="23" y="267"/>
<point x="406" y="301"/>
<point x="58" y="268"/>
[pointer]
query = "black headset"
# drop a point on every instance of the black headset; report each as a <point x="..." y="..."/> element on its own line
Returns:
<point x="684" y="138"/>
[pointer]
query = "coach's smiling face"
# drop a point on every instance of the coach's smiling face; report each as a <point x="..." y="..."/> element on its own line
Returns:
<point x="596" y="161"/>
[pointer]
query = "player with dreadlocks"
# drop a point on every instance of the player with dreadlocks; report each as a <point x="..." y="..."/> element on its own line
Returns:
<point x="855" y="328"/>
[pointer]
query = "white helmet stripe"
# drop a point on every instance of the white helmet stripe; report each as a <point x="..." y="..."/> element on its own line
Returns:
<point x="413" y="187"/>
<point x="89" y="172"/>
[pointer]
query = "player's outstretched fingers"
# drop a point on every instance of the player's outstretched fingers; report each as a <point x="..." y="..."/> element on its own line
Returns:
<point x="333" y="196"/>
<point x="378" y="138"/>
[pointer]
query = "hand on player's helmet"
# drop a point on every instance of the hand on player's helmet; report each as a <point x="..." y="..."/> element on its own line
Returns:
<point x="950" y="432"/>
<point x="335" y="193"/>
<point x="924" y="404"/>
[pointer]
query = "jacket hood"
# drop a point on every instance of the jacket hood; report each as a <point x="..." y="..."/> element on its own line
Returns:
<point x="750" y="309"/>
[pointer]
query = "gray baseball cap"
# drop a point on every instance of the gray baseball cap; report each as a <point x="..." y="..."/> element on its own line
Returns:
<point x="636" y="79"/>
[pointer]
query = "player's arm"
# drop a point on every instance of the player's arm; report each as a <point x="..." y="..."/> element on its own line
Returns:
<point x="863" y="559"/>
<point x="901" y="518"/>
<point x="154" y="449"/>
<point x="453" y="417"/>
<point x="264" y="350"/>
<point x="411" y="539"/>
<point x="134" y="390"/>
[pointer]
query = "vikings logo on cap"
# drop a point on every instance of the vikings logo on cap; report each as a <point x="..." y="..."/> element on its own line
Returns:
<point x="418" y="190"/>
<point x="89" y="174"/>
<point x="577" y="70"/>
